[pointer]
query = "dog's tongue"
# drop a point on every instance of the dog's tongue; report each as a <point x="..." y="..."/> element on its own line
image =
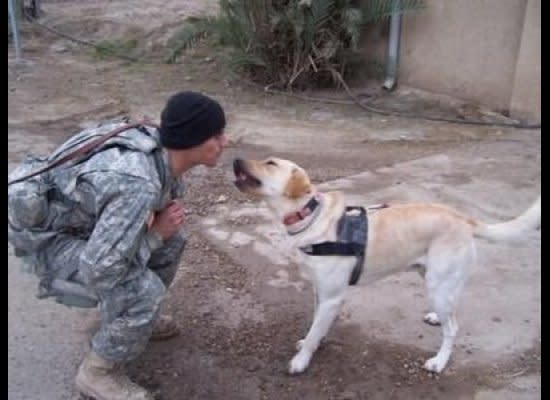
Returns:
<point x="240" y="178"/>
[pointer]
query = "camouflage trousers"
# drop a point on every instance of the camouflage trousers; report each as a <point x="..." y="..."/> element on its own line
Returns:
<point x="129" y="309"/>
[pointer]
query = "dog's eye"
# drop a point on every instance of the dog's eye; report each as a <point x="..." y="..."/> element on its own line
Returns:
<point x="271" y="162"/>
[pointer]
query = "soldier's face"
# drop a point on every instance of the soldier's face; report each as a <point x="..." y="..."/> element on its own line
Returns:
<point x="212" y="149"/>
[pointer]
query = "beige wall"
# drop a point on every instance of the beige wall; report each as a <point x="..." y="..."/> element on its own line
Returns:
<point x="526" y="94"/>
<point x="464" y="48"/>
<point x="483" y="51"/>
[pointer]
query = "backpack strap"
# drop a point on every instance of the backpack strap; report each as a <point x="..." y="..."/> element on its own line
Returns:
<point x="82" y="151"/>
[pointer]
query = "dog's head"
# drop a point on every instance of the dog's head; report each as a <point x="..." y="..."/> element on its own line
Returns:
<point x="272" y="178"/>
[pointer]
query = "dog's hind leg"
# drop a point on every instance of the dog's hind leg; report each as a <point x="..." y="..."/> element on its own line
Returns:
<point x="446" y="274"/>
<point x="450" y="328"/>
<point x="430" y="318"/>
<point x="330" y="295"/>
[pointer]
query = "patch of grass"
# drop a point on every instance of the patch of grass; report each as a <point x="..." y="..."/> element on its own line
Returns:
<point x="125" y="48"/>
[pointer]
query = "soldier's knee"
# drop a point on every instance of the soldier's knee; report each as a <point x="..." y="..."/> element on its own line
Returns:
<point x="153" y="288"/>
<point x="169" y="254"/>
<point x="174" y="248"/>
<point x="143" y="298"/>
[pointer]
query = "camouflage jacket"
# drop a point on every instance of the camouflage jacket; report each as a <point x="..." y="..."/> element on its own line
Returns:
<point x="106" y="200"/>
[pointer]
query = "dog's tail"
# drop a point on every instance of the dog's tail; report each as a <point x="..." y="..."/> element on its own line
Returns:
<point x="513" y="229"/>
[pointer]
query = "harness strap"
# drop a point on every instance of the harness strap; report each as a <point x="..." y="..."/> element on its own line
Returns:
<point x="68" y="293"/>
<point x="357" y="227"/>
<point x="357" y="271"/>
<point x="334" y="249"/>
<point x="66" y="271"/>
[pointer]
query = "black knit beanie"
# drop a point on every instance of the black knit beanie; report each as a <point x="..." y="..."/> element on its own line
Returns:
<point x="189" y="119"/>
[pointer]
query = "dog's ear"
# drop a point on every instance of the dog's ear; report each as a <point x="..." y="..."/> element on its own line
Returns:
<point x="298" y="185"/>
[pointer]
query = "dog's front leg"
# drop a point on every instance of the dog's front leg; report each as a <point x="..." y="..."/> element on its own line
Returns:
<point x="327" y="310"/>
<point x="300" y="342"/>
<point x="315" y="300"/>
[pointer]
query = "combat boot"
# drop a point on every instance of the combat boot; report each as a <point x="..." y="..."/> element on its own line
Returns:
<point x="98" y="378"/>
<point x="164" y="328"/>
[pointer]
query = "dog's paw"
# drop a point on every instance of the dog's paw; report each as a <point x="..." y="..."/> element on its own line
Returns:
<point x="434" y="365"/>
<point x="299" y="363"/>
<point x="432" y="319"/>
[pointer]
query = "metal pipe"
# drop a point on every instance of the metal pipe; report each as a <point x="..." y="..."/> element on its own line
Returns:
<point x="394" y="45"/>
<point x="36" y="8"/>
<point x="14" y="29"/>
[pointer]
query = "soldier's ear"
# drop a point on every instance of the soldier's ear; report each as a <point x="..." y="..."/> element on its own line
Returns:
<point x="150" y="219"/>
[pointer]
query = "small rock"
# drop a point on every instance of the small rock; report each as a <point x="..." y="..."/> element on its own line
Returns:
<point x="59" y="48"/>
<point x="254" y="366"/>
<point x="347" y="395"/>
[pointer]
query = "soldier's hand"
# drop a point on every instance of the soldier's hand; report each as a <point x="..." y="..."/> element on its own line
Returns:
<point x="169" y="220"/>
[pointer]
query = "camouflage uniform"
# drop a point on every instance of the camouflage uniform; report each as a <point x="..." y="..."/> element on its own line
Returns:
<point x="95" y="234"/>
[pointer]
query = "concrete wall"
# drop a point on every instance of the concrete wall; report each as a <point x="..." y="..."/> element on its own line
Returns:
<point x="526" y="95"/>
<point x="482" y="51"/>
<point x="465" y="48"/>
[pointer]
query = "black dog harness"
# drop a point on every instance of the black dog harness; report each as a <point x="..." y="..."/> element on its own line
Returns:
<point x="352" y="240"/>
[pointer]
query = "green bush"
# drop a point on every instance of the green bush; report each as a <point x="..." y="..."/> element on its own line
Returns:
<point x="289" y="43"/>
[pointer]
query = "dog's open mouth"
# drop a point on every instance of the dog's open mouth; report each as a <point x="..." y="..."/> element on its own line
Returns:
<point x="244" y="179"/>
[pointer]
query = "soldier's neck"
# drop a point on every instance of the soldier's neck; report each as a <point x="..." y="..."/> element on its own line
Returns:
<point x="181" y="161"/>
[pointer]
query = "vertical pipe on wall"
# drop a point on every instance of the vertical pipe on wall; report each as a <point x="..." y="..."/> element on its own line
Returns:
<point x="394" y="45"/>
<point x="14" y="28"/>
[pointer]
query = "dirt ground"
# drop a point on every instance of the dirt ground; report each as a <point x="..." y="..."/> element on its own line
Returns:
<point x="60" y="86"/>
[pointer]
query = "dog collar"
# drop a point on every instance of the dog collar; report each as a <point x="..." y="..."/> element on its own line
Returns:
<point x="311" y="208"/>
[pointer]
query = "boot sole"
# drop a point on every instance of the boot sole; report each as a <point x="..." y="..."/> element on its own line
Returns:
<point x="165" y="336"/>
<point x="88" y="391"/>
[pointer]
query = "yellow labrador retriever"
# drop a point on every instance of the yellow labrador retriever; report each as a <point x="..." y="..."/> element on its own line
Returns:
<point x="437" y="239"/>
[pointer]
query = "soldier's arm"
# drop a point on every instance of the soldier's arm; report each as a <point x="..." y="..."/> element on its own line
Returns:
<point x="120" y="238"/>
